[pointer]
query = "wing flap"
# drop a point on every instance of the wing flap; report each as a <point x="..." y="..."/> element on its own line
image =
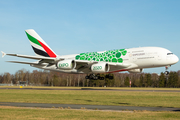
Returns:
<point x="86" y="62"/>
<point x="120" y="65"/>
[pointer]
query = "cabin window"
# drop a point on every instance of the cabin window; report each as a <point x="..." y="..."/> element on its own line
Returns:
<point x="169" y="53"/>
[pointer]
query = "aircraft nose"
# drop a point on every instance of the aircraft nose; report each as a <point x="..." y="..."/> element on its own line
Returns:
<point x="175" y="59"/>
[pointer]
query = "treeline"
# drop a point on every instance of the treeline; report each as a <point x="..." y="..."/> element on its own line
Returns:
<point x="50" y="78"/>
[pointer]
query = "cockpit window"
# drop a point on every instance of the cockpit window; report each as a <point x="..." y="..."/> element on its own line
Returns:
<point x="169" y="53"/>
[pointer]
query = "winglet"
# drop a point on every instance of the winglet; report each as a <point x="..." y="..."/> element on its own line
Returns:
<point x="3" y="53"/>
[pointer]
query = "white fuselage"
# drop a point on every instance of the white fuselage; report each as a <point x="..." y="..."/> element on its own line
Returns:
<point x="149" y="57"/>
<point x="137" y="58"/>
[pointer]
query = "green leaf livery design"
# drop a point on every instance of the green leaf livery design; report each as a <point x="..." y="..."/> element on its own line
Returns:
<point x="108" y="56"/>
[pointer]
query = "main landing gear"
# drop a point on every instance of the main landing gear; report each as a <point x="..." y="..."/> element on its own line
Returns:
<point x="167" y="72"/>
<point x="97" y="76"/>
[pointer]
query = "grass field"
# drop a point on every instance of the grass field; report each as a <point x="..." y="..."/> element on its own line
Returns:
<point x="39" y="113"/>
<point x="126" y="98"/>
<point x="121" y="98"/>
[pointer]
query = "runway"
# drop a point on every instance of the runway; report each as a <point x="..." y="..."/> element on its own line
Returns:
<point x="135" y="90"/>
<point x="90" y="107"/>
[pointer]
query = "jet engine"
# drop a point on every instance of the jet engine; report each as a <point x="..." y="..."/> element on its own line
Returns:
<point x="135" y="70"/>
<point x="100" y="68"/>
<point x="66" y="64"/>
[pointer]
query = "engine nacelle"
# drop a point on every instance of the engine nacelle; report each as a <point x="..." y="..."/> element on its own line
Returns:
<point x="100" y="68"/>
<point x="135" y="70"/>
<point x="66" y="64"/>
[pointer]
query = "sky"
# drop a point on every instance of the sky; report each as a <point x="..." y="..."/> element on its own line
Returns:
<point x="77" y="26"/>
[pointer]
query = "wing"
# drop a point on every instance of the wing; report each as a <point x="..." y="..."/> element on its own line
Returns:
<point x="81" y="65"/>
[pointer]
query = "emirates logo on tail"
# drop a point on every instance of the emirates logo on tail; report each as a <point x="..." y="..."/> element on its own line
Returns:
<point x="38" y="44"/>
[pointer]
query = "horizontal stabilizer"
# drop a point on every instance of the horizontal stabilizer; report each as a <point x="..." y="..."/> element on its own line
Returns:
<point x="31" y="57"/>
<point x="30" y="63"/>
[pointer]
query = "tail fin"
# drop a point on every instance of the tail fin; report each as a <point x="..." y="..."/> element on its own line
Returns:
<point x="38" y="44"/>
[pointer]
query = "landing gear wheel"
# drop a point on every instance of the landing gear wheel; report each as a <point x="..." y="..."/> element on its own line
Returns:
<point x="166" y="72"/>
<point x="87" y="77"/>
<point x="109" y="76"/>
<point x="94" y="77"/>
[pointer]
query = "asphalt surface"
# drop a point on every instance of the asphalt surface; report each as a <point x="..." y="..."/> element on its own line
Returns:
<point x="94" y="89"/>
<point x="92" y="107"/>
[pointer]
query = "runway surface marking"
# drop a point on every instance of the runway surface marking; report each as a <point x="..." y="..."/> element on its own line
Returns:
<point x="95" y="89"/>
<point x="92" y="107"/>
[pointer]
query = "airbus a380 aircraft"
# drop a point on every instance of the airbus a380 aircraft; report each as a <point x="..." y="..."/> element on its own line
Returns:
<point x="133" y="60"/>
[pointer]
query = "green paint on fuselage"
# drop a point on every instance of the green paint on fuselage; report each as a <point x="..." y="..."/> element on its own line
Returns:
<point x="107" y="56"/>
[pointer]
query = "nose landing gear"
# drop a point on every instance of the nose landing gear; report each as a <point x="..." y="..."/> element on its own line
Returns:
<point x="167" y="72"/>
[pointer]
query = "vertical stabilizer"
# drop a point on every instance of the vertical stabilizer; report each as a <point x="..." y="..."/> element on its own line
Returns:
<point x="38" y="44"/>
